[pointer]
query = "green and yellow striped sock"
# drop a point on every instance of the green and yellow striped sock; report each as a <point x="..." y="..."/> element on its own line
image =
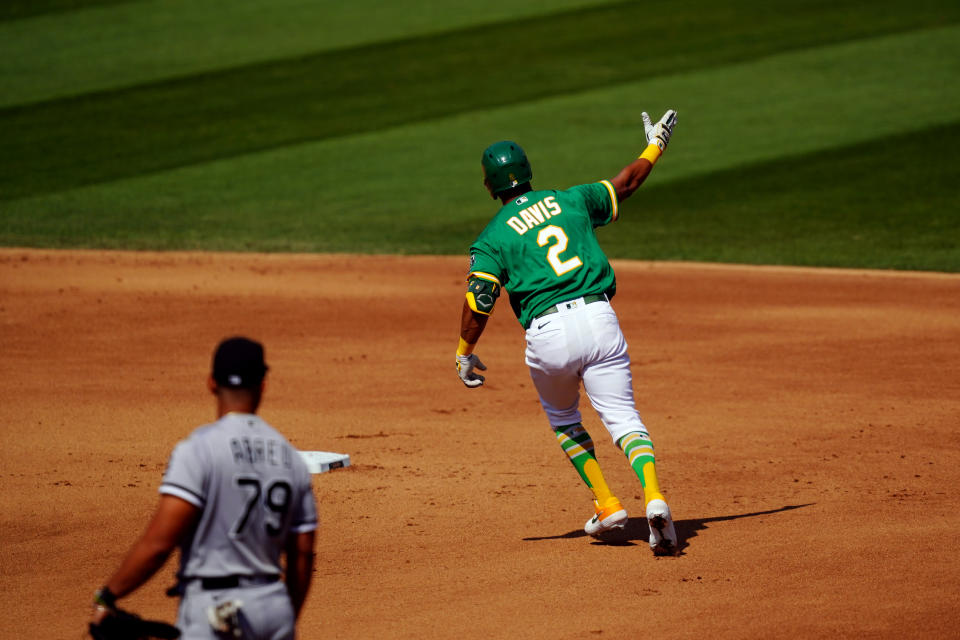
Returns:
<point x="576" y="443"/>
<point x="638" y="448"/>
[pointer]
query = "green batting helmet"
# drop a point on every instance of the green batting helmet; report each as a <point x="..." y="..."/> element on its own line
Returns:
<point x="505" y="166"/>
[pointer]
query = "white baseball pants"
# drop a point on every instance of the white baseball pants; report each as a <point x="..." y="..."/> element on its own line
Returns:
<point x="266" y="614"/>
<point x="583" y="342"/>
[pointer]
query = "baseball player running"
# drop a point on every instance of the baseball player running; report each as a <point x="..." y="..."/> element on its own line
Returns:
<point x="235" y="496"/>
<point x="542" y="248"/>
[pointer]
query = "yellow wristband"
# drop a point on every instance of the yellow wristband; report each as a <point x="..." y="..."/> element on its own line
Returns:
<point x="465" y="348"/>
<point x="651" y="154"/>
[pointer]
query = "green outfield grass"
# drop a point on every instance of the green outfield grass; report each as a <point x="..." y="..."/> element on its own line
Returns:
<point x="821" y="209"/>
<point x="135" y="42"/>
<point x="811" y="133"/>
<point x="18" y="9"/>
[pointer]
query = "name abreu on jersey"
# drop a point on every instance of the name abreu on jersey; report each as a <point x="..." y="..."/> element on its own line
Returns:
<point x="261" y="451"/>
<point x="535" y="214"/>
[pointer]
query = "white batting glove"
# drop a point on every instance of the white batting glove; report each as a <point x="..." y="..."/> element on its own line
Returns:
<point x="659" y="134"/>
<point x="465" y="367"/>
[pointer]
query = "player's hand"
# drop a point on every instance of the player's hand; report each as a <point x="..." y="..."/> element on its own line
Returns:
<point x="465" y="367"/>
<point x="99" y="613"/>
<point x="659" y="134"/>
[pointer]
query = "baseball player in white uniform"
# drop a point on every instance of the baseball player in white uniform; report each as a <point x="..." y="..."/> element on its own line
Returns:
<point x="541" y="247"/>
<point x="235" y="497"/>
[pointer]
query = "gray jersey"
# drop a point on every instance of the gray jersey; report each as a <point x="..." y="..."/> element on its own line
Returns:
<point x="253" y="489"/>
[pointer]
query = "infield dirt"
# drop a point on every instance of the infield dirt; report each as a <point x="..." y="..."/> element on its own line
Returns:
<point x="806" y="424"/>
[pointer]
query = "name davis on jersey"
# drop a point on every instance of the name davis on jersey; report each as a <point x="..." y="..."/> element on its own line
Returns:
<point x="533" y="215"/>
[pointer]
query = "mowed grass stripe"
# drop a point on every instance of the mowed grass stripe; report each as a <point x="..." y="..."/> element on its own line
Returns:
<point x="105" y="48"/>
<point x="416" y="188"/>
<point x="859" y="206"/>
<point x="101" y="137"/>
<point x="19" y="9"/>
<point x="847" y="207"/>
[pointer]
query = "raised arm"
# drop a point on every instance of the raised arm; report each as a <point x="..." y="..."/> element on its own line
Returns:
<point x="658" y="136"/>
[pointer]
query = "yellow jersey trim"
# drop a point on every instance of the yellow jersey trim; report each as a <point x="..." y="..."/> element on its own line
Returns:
<point x="613" y="199"/>
<point x="484" y="276"/>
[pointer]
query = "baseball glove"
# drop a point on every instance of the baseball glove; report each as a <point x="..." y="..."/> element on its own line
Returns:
<point x="123" y="625"/>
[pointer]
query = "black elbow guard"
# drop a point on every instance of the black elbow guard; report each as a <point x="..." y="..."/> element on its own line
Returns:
<point x="482" y="293"/>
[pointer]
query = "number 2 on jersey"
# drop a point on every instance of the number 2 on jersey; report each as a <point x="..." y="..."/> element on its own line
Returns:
<point x="553" y="253"/>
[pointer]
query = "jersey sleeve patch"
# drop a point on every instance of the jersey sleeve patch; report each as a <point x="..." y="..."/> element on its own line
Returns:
<point x="483" y="290"/>
<point x="614" y="208"/>
<point x="484" y="260"/>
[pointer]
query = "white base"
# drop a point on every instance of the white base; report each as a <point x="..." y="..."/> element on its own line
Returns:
<point x="322" y="461"/>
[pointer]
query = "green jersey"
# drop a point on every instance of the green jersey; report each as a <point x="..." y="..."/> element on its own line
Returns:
<point x="542" y="248"/>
